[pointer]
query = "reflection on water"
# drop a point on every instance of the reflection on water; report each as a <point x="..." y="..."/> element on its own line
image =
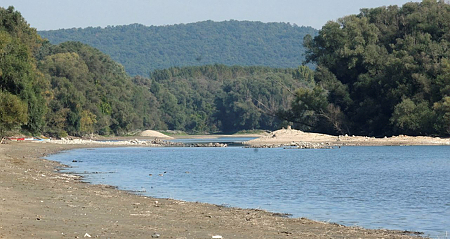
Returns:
<point x="230" y="141"/>
<point x="404" y="188"/>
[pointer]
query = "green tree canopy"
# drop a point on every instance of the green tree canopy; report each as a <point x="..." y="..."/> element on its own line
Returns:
<point x="13" y="112"/>
<point x="18" y="73"/>
<point x="75" y="89"/>
<point x="143" y="49"/>
<point x="386" y="68"/>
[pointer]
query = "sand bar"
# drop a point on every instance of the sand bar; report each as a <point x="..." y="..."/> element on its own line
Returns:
<point x="292" y="137"/>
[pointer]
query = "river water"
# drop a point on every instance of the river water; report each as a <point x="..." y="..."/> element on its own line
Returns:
<point x="392" y="187"/>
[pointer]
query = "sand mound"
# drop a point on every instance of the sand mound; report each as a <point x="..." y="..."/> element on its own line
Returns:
<point x="155" y="134"/>
<point x="289" y="135"/>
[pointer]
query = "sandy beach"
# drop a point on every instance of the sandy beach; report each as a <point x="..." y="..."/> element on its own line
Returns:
<point x="37" y="201"/>
<point x="292" y="137"/>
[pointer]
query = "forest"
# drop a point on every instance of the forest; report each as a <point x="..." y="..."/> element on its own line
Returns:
<point x="382" y="72"/>
<point x="141" y="49"/>
<point x="75" y="89"/>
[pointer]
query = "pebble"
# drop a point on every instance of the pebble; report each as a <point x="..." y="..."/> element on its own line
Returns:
<point x="155" y="235"/>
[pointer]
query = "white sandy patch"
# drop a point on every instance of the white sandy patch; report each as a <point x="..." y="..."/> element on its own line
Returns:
<point x="283" y="136"/>
<point x="290" y="136"/>
<point x="154" y="134"/>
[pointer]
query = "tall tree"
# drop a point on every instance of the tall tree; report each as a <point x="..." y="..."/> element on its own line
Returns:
<point x="18" y="73"/>
<point x="13" y="112"/>
<point x="386" y="68"/>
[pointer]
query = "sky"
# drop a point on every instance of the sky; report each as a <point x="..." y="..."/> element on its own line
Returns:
<point x="63" y="14"/>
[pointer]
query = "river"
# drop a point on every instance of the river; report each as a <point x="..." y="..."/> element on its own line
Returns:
<point x="392" y="187"/>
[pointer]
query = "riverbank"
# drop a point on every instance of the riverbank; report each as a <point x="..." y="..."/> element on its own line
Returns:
<point x="296" y="138"/>
<point x="36" y="201"/>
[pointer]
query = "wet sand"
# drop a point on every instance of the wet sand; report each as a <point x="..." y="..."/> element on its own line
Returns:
<point x="37" y="201"/>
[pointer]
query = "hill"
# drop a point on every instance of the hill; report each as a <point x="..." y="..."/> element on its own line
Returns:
<point x="75" y="89"/>
<point x="141" y="49"/>
<point x="385" y="71"/>
<point x="90" y="93"/>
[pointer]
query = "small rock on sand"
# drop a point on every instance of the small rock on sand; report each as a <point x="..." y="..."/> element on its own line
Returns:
<point x="155" y="235"/>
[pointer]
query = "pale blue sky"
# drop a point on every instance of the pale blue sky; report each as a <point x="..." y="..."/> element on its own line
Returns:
<point x="58" y="14"/>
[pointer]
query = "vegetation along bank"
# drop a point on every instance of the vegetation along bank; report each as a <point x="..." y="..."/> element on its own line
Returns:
<point x="382" y="72"/>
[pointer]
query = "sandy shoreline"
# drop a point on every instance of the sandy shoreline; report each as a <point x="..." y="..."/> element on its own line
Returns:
<point x="36" y="201"/>
<point x="292" y="137"/>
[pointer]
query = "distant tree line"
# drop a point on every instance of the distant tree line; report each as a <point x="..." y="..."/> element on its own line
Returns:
<point x="219" y="98"/>
<point x="142" y="49"/>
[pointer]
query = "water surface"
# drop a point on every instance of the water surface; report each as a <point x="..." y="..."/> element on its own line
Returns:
<point x="230" y="141"/>
<point x="404" y="188"/>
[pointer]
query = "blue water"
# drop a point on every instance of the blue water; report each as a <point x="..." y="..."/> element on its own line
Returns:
<point x="404" y="188"/>
<point x="230" y="141"/>
<point x="214" y="140"/>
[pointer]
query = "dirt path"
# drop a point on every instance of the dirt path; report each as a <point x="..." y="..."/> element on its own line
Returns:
<point x="36" y="201"/>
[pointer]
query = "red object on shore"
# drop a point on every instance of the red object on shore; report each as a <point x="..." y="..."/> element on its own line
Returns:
<point x="17" y="139"/>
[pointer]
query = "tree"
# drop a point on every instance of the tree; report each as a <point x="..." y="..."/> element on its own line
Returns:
<point x="87" y="122"/>
<point x="18" y="73"/>
<point x="386" y="70"/>
<point x="310" y="110"/>
<point x="411" y="118"/>
<point x="13" y="112"/>
<point x="442" y="109"/>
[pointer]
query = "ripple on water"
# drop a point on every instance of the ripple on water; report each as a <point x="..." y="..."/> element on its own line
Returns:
<point x="404" y="188"/>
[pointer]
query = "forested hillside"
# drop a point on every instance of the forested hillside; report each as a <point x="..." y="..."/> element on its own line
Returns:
<point x="142" y="49"/>
<point x="89" y="93"/>
<point x="22" y="87"/>
<point x="75" y="89"/>
<point x="58" y="90"/>
<point x="384" y="71"/>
